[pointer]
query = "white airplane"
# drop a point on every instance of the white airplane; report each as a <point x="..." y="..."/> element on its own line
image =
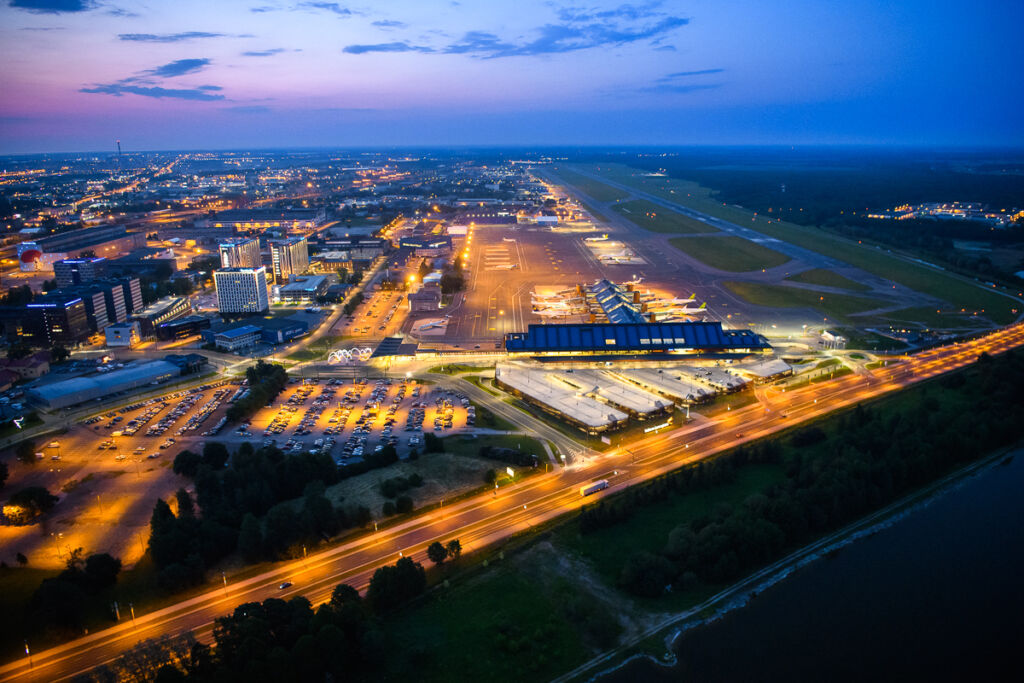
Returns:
<point x="433" y="325"/>
<point x="506" y="266"/>
<point x="554" y="312"/>
<point x="602" y="238"/>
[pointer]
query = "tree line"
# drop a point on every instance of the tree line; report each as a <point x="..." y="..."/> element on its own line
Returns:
<point x="835" y="472"/>
<point x="281" y="640"/>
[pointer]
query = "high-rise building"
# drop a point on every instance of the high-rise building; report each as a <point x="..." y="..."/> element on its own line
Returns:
<point x="58" y="319"/>
<point x="240" y="252"/>
<point x="241" y="290"/>
<point x="77" y="271"/>
<point x="289" y="257"/>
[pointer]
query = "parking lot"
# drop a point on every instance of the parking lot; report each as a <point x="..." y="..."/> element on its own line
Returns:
<point x="381" y="314"/>
<point x="349" y="419"/>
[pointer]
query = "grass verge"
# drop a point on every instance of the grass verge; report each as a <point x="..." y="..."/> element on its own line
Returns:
<point x="828" y="278"/>
<point x="655" y="218"/>
<point x="729" y="253"/>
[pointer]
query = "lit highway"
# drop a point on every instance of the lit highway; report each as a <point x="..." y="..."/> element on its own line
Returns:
<point x="489" y="517"/>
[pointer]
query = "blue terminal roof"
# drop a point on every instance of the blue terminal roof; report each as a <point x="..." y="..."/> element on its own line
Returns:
<point x="631" y="337"/>
<point x="616" y="302"/>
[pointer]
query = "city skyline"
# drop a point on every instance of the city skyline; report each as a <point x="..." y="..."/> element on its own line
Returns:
<point x="82" y="74"/>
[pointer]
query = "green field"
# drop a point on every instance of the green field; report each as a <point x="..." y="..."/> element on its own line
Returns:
<point x="958" y="291"/>
<point x="780" y="296"/>
<point x="500" y="626"/>
<point x="650" y="216"/>
<point x="595" y="189"/>
<point x="469" y="447"/>
<point x="730" y="253"/>
<point x="650" y="525"/>
<point x="827" y="278"/>
<point x="932" y="318"/>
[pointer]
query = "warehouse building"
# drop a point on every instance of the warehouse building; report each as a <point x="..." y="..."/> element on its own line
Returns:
<point x="565" y="400"/>
<point x="77" y="390"/>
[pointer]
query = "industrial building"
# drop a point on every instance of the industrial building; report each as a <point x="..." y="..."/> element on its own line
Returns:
<point x="604" y="398"/>
<point x="581" y="340"/>
<point x="106" y="242"/>
<point x="248" y="219"/>
<point x="288" y="257"/>
<point x="240" y="252"/>
<point x="348" y="249"/>
<point x="77" y="390"/>
<point x="547" y="391"/>
<point x="303" y="290"/>
<point x="241" y="290"/>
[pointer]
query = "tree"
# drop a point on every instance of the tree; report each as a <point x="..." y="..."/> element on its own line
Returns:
<point x="59" y="354"/>
<point x="437" y="552"/>
<point x="22" y="560"/>
<point x="250" y="539"/>
<point x="432" y="444"/>
<point x="26" y="452"/>
<point x="187" y="464"/>
<point x="394" y="585"/>
<point x="30" y="503"/>
<point x="345" y="594"/>
<point x="4" y="472"/>
<point x="454" y="549"/>
<point x="215" y="454"/>
<point x="647" y="574"/>
<point x="403" y="505"/>
<point x="101" y="570"/>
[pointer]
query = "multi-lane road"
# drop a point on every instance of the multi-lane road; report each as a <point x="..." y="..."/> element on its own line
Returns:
<point x="490" y="517"/>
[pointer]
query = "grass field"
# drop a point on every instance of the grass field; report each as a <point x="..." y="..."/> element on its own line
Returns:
<point x="454" y="369"/>
<point x="957" y="291"/>
<point x="650" y="216"/>
<point x="499" y="626"/>
<point x="932" y="318"/>
<point x="730" y="253"/>
<point x="780" y="296"/>
<point x="458" y="445"/>
<point x="595" y="189"/>
<point x="649" y="526"/>
<point x="828" y="278"/>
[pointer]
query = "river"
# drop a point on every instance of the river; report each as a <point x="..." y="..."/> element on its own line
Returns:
<point x="936" y="596"/>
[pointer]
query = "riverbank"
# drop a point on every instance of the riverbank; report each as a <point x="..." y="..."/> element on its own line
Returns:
<point x="659" y="646"/>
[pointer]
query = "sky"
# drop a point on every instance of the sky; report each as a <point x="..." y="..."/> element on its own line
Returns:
<point x="77" y="75"/>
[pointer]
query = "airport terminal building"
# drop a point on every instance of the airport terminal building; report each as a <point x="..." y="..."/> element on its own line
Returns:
<point x="587" y="340"/>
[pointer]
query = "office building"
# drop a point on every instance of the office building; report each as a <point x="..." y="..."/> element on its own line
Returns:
<point x="78" y="271"/>
<point x="164" y="310"/>
<point x="242" y="290"/>
<point x="240" y="252"/>
<point x="57" y="319"/>
<point x="289" y="257"/>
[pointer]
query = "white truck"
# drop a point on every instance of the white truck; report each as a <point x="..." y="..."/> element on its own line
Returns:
<point x="594" y="488"/>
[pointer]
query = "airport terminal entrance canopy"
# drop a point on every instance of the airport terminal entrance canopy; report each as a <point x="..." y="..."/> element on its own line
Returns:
<point x="632" y="337"/>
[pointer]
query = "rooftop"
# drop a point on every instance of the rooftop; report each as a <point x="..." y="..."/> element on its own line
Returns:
<point x="632" y="337"/>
